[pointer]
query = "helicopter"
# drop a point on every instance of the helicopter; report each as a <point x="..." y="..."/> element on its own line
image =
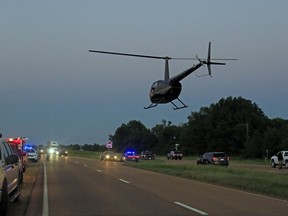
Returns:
<point x="169" y="89"/>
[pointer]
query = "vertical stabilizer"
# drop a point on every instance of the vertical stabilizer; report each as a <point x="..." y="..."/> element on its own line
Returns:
<point x="166" y="76"/>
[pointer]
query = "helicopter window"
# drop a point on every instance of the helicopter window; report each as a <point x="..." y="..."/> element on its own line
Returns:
<point x="154" y="85"/>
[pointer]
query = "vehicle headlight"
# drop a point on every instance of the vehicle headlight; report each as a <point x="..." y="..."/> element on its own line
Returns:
<point x="107" y="156"/>
<point x="51" y="150"/>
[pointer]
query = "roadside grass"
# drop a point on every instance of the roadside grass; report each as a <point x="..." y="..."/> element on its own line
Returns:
<point x="263" y="182"/>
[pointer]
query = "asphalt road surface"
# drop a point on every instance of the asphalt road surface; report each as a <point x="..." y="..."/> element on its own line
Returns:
<point x="81" y="186"/>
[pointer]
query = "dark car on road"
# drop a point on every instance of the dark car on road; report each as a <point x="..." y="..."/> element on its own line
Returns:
<point x="175" y="155"/>
<point x="63" y="152"/>
<point x="217" y="158"/>
<point x="147" y="155"/>
<point x="111" y="156"/>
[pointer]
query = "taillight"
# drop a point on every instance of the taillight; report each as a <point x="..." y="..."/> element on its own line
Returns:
<point x="214" y="158"/>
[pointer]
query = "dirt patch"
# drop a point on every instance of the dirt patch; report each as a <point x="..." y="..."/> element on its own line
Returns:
<point x="19" y="207"/>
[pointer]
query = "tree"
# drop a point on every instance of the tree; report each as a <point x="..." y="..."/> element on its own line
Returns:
<point x="234" y="125"/>
<point x="167" y="136"/>
<point x="133" y="135"/>
<point x="224" y="126"/>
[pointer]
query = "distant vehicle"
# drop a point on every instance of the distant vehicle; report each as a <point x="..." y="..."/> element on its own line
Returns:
<point x="147" y="155"/>
<point x="131" y="156"/>
<point x="111" y="156"/>
<point x="52" y="147"/>
<point x="175" y="155"/>
<point x="17" y="146"/>
<point x="9" y="176"/>
<point x="274" y="159"/>
<point x="217" y="158"/>
<point x="63" y="152"/>
<point x="42" y="151"/>
<point x="32" y="155"/>
<point x="52" y="150"/>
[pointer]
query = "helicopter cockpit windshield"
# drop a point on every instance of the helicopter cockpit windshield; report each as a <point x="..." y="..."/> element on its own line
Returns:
<point x="152" y="90"/>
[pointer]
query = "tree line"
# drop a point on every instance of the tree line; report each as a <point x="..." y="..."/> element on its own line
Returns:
<point x="234" y="125"/>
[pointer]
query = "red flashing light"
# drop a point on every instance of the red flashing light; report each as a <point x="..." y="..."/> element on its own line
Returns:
<point x="17" y="141"/>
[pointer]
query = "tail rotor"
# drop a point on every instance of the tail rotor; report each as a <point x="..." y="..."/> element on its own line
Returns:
<point x="208" y="61"/>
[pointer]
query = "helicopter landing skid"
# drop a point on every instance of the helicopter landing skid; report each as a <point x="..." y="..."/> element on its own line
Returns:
<point x="151" y="106"/>
<point x="176" y="107"/>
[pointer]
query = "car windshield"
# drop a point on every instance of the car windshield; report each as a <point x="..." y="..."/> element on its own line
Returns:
<point x="31" y="151"/>
<point x="220" y="154"/>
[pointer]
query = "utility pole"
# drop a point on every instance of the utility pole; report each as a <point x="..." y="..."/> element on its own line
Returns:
<point x="247" y="132"/>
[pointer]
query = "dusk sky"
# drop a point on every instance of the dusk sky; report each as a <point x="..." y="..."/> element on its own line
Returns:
<point x="52" y="88"/>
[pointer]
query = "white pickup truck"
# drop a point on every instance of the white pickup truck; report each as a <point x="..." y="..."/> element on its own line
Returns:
<point x="274" y="159"/>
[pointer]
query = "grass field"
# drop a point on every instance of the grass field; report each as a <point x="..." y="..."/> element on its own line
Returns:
<point x="271" y="182"/>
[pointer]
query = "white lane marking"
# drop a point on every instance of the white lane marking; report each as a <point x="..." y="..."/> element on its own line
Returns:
<point x="77" y="162"/>
<point x="124" y="181"/>
<point x="98" y="170"/>
<point x="45" y="211"/>
<point x="85" y="165"/>
<point x="190" y="208"/>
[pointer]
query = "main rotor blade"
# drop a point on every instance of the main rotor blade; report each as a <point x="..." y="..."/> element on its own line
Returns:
<point x="129" y="54"/>
<point x="155" y="57"/>
<point x="225" y="59"/>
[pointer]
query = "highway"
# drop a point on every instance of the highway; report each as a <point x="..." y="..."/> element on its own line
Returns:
<point x="81" y="186"/>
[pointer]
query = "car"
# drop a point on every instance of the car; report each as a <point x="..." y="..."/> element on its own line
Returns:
<point x="147" y="155"/>
<point x="9" y="176"/>
<point x="111" y="156"/>
<point x="175" y="155"/>
<point x="131" y="156"/>
<point x="216" y="158"/>
<point x="32" y="155"/>
<point x="17" y="147"/>
<point x="42" y="151"/>
<point x="274" y="159"/>
<point x="62" y="152"/>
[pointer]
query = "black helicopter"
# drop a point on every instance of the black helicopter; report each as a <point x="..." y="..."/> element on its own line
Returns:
<point x="169" y="89"/>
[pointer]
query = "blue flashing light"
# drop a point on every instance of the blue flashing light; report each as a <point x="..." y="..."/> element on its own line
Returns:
<point x="27" y="147"/>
